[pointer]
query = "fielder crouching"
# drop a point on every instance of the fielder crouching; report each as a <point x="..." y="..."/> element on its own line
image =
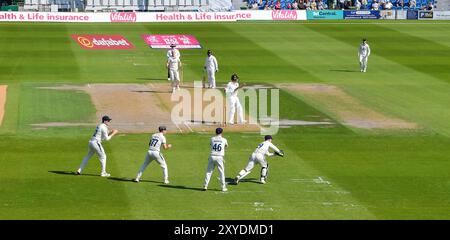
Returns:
<point x="258" y="156"/>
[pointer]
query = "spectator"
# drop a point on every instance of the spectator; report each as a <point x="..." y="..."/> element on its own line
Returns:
<point x="412" y="4"/>
<point x="321" y="5"/>
<point x="388" y="5"/>
<point x="295" y="5"/>
<point x="255" y="6"/>
<point x="357" y="5"/>
<point x="400" y="3"/>
<point x="278" y="5"/>
<point x="266" y="7"/>
<point x="341" y="4"/>
<point x="430" y="6"/>
<point x="313" y="5"/>
<point x="375" y="5"/>
<point x="347" y="4"/>
<point x="381" y="3"/>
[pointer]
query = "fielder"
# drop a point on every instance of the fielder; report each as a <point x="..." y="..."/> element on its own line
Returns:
<point x="258" y="156"/>
<point x="172" y="52"/>
<point x="174" y="64"/>
<point x="154" y="153"/>
<point x="231" y="91"/>
<point x="363" y="54"/>
<point x="218" y="145"/>
<point x="95" y="145"/>
<point x="211" y="67"/>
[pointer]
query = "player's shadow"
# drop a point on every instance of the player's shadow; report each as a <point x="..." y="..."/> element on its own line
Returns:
<point x="151" y="79"/>
<point x="180" y="187"/>
<point x="251" y="180"/>
<point x="130" y="180"/>
<point x="73" y="173"/>
<point x="152" y="91"/>
<point x="342" y="70"/>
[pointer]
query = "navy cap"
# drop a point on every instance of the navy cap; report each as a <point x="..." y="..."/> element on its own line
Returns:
<point x="172" y="45"/>
<point x="162" y="128"/>
<point x="106" y="118"/>
<point x="267" y="137"/>
<point x="219" y="130"/>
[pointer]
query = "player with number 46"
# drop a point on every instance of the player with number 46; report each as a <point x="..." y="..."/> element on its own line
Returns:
<point x="218" y="145"/>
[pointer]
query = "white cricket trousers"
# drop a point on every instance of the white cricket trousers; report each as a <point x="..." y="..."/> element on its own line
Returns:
<point x="154" y="155"/>
<point x="363" y="62"/>
<point x="255" y="158"/>
<point x="95" y="147"/>
<point x="174" y="76"/>
<point x="233" y="104"/>
<point x="211" y="77"/>
<point x="213" y="162"/>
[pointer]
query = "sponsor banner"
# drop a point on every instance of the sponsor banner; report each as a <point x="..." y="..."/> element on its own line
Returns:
<point x="362" y="14"/>
<point x="401" y="14"/>
<point x="164" y="41"/>
<point x="102" y="42"/>
<point x="324" y="14"/>
<point x="275" y="15"/>
<point x="387" y="14"/>
<point x="412" y="14"/>
<point x="441" y="15"/>
<point x="425" y="15"/>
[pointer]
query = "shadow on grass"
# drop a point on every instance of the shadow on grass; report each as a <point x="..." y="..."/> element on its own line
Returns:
<point x="250" y="180"/>
<point x="130" y="180"/>
<point x="152" y="91"/>
<point x="73" y="173"/>
<point x="181" y="187"/>
<point x="151" y="79"/>
<point x="342" y="70"/>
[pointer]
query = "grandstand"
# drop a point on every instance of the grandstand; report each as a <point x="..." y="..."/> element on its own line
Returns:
<point x="114" y="5"/>
<point x="328" y="4"/>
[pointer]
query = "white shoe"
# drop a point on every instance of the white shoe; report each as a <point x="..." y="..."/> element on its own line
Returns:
<point x="173" y="90"/>
<point x="168" y="79"/>
<point x="136" y="180"/>
<point x="224" y="189"/>
<point x="178" y="87"/>
<point x="230" y="123"/>
<point x="263" y="181"/>
<point x="205" y="188"/>
<point x="78" y="172"/>
<point x="243" y="122"/>
<point x="236" y="180"/>
<point x="166" y="181"/>
<point x="364" y="70"/>
<point x="105" y="174"/>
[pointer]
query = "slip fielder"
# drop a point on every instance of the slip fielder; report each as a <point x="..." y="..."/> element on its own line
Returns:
<point x="211" y="67"/>
<point x="258" y="157"/>
<point x="95" y="145"/>
<point x="218" y="145"/>
<point x="156" y="141"/>
<point x="363" y="54"/>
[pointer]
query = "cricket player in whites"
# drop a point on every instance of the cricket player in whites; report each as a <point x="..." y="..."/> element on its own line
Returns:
<point x="174" y="64"/>
<point x="211" y="67"/>
<point x="258" y="156"/>
<point x="157" y="140"/>
<point x="218" y="145"/>
<point x="172" y="52"/>
<point x="363" y="53"/>
<point x="233" y="102"/>
<point x="95" y="145"/>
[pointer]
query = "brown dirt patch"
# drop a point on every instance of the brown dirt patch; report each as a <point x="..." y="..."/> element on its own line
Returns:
<point x="349" y="110"/>
<point x="3" y="89"/>
<point x="139" y="108"/>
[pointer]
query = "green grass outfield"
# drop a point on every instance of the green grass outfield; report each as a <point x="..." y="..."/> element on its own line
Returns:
<point x="328" y="173"/>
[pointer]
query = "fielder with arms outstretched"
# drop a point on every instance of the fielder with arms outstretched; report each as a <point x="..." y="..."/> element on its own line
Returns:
<point x="157" y="140"/>
<point x="95" y="145"/>
<point x="258" y="156"/>
<point x="218" y="145"/>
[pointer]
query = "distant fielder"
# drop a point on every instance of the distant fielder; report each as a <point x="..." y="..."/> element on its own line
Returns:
<point x="258" y="156"/>
<point x="95" y="145"/>
<point x="157" y="140"/>
<point x="363" y="54"/>
<point x="234" y="104"/>
<point x="218" y="145"/>
<point x="172" y="52"/>
<point x="211" y="67"/>
<point x="174" y="64"/>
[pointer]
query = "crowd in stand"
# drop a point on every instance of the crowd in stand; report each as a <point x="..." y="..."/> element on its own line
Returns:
<point x="339" y="4"/>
